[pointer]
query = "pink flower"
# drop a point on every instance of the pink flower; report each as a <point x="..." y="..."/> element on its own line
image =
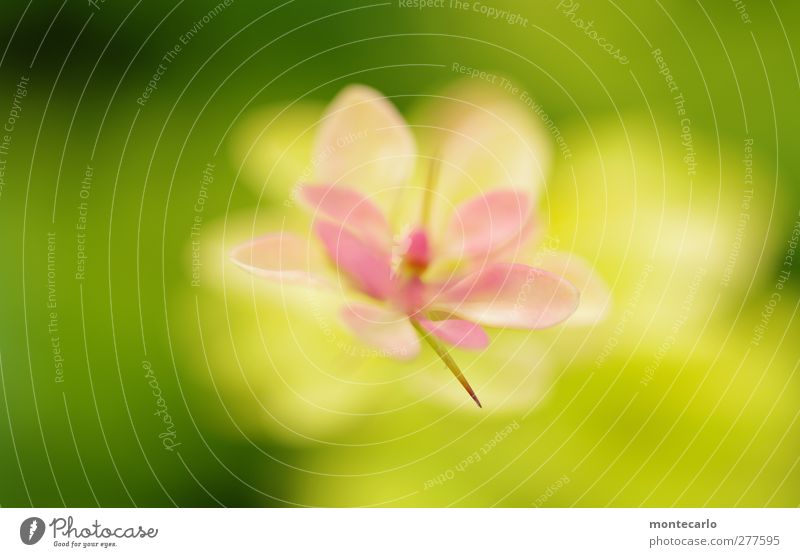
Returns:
<point x="413" y="271"/>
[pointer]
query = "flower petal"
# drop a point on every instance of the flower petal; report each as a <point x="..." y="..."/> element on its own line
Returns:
<point x="350" y="208"/>
<point x="364" y="141"/>
<point x="487" y="222"/>
<point x="387" y="331"/>
<point x="284" y="257"/>
<point x="509" y="295"/>
<point x="457" y="332"/>
<point x="595" y="295"/>
<point x="485" y="139"/>
<point x="368" y="268"/>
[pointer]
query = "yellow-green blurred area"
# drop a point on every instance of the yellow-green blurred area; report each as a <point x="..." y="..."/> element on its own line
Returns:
<point x="139" y="367"/>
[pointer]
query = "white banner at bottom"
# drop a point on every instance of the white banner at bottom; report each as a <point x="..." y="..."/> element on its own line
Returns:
<point x="390" y="532"/>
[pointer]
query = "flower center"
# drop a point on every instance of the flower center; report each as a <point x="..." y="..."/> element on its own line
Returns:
<point x="417" y="252"/>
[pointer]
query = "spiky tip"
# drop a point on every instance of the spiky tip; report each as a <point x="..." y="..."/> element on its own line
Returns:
<point x="442" y="352"/>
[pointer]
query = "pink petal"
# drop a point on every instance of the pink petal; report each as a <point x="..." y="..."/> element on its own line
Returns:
<point x="457" y="332"/>
<point x="595" y="295"/>
<point x="526" y="241"/>
<point x="284" y="257"/>
<point x="367" y="267"/>
<point x="387" y="331"/>
<point x="350" y="208"/>
<point x="417" y="250"/>
<point x="487" y="222"/>
<point x="510" y="295"/>
<point x="486" y="139"/>
<point x="364" y="141"/>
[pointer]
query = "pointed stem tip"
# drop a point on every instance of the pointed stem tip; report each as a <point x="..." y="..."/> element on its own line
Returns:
<point x="441" y="351"/>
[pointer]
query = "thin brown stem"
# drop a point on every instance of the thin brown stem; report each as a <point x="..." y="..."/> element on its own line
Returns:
<point x="442" y="352"/>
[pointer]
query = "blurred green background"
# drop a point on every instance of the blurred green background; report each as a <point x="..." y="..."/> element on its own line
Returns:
<point x="685" y="396"/>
